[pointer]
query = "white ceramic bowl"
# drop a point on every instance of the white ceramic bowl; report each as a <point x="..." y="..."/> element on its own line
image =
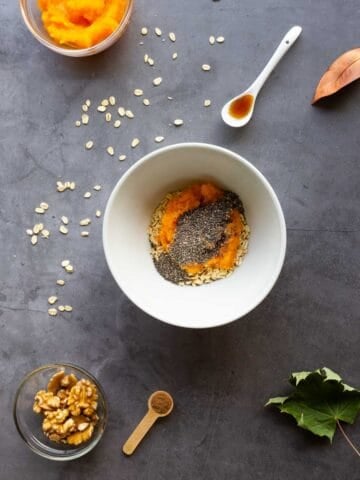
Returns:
<point x="127" y="248"/>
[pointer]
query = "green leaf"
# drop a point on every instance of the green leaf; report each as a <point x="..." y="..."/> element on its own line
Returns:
<point x="319" y="399"/>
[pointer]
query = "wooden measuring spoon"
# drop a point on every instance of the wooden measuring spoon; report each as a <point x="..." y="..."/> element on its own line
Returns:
<point x="160" y="404"/>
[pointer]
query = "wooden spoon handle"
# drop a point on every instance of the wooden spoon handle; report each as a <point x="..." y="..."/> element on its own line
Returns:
<point x="140" y="431"/>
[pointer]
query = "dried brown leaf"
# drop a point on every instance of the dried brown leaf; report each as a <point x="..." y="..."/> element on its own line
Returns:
<point x="344" y="70"/>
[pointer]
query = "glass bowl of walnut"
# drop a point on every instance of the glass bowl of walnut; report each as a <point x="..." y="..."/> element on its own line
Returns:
<point x="60" y="411"/>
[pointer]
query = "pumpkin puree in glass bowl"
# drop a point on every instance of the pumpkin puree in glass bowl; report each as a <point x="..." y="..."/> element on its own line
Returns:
<point x="81" y="23"/>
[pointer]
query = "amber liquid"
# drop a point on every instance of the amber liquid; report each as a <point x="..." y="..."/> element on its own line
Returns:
<point x="241" y="107"/>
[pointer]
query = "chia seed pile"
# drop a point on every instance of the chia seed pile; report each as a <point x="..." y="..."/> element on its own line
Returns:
<point x="200" y="234"/>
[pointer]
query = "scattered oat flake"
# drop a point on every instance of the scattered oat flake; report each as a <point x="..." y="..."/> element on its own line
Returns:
<point x="112" y="100"/>
<point x="29" y="232"/>
<point x="159" y="139"/>
<point x="212" y="40"/>
<point x="63" y="230"/>
<point x="105" y="102"/>
<point x="220" y="39"/>
<point x="39" y="210"/>
<point x="144" y="31"/>
<point x="89" y="145"/>
<point x="206" y="67"/>
<point x="52" y="300"/>
<point x="65" y="220"/>
<point x="129" y="114"/>
<point x="110" y="151"/>
<point x="158" y="31"/>
<point x="151" y="61"/>
<point x="121" y="111"/>
<point x="172" y="36"/>
<point x="77" y="123"/>
<point x="117" y="123"/>
<point x="157" y="81"/>
<point x="88" y="103"/>
<point x="170" y="98"/>
<point x="85" y="118"/>
<point x="138" y="92"/>
<point x="69" y="269"/>
<point x="174" y="56"/>
<point x="72" y="185"/>
<point x="60" y="282"/>
<point x="108" y="117"/>
<point x="45" y="233"/>
<point x="61" y="308"/>
<point x="65" y="263"/>
<point x="34" y="239"/>
<point x="178" y="122"/>
<point x="207" y="103"/>
<point x="44" y="205"/>
<point x="135" y="142"/>
<point x="146" y="57"/>
<point x="84" y="234"/>
<point x="87" y="194"/>
<point x="52" y="312"/>
<point x="38" y="228"/>
<point x="68" y="308"/>
<point x="101" y="108"/>
<point x="97" y="188"/>
<point x="98" y="213"/>
<point x="122" y="158"/>
<point x="85" y="108"/>
<point x="85" y="222"/>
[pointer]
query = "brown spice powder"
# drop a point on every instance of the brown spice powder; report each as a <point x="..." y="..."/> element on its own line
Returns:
<point x="161" y="403"/>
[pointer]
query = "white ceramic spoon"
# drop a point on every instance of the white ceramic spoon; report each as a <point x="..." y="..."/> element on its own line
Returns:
<point x="254" y="89"/>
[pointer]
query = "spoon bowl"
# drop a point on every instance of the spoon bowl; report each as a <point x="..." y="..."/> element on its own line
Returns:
<point x="239" y="120"/>
<point x="242" y="119"/>
<point x="161" y="403"/>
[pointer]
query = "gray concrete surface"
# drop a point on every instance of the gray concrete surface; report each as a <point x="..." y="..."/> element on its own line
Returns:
<point x="220" y="378"/>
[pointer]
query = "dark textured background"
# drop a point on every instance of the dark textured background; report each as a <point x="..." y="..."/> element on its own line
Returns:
<point x="220" y="378"/>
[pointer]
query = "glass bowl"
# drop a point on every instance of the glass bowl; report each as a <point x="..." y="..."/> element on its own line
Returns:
<point x="32" y="18"/>
<point x="29" y="423"/>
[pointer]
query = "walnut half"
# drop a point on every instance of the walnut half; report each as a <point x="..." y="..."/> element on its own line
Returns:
<point x="69" y="407"/>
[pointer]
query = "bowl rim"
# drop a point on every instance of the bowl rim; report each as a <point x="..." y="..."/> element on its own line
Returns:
<point x="80" y="52"/>
<point x="148" y="157"/>
<point x="88" y="447"/>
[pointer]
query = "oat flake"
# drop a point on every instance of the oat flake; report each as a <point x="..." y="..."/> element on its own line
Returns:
<point x="135" y="143"/>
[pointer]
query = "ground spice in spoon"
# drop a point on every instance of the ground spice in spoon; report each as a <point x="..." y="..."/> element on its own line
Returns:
<point x="161" y="403"/>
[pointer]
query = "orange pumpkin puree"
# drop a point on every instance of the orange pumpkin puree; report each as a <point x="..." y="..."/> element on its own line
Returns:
<point x="192" y="197"/>
<point x="226" y="259"/>
<point x="81" y="23"/>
